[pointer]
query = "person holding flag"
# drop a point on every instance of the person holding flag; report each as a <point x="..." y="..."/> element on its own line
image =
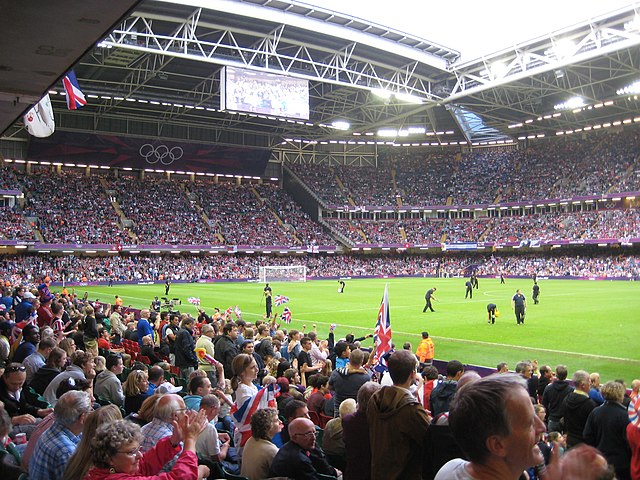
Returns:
<point x="382" y="333"/>
<point x="248" y="397"/>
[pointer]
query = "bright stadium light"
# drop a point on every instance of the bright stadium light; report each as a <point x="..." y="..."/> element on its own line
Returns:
<point x="341" y="125"/>
<point x="407" y="97"/>
<point x="381" y="92"/>
<point x="572" y="103"/>
<point x="631" y="89"/>
<point x="387" y="132"/>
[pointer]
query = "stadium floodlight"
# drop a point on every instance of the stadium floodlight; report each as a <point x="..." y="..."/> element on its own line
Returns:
<point x="407" y="97"/>
<point x="387" y="132"/>
<point x="381" y="92"/>
<point x="572" y="103"/>
<point x="563" y="48"/>
<point x="631" y="89"/>
<point x="341" y="125"/>
<point x="416" y="130"/>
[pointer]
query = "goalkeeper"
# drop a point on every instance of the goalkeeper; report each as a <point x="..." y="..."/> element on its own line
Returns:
<point x="492" y="311"/>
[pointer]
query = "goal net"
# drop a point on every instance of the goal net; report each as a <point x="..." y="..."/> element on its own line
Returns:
<point x="287" y="273"/>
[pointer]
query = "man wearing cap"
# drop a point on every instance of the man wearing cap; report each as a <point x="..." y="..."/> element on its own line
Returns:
<point x="23" y="308"/>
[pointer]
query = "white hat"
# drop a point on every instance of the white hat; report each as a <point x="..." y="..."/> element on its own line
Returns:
<point x="167" y="387"/>
<point x="29" y="295"/>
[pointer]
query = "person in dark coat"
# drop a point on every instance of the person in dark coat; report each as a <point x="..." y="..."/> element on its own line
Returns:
<point x="577" y="407"/>
<point x="552" y="399"/>
<point x="606" y="429"/>
<point x="443" y="393"/>
<point x="226" y="349"/>
<point x="185" y="348"/>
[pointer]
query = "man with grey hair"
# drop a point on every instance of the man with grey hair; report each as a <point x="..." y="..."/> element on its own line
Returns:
<point x="577" y="407"/>
<point x="59" y="442"/>
<point x="165" y="412"/>
<point x="356" y="435"/>
<point x="212" y="445"/>
<point x="493" y="421"/>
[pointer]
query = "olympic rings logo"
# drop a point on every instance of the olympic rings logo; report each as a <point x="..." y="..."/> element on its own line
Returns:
<point x="161" y="153"/>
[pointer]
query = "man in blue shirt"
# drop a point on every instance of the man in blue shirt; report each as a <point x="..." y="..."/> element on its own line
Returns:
<point x="59" y="442"/>
<point x="144" y="327"/>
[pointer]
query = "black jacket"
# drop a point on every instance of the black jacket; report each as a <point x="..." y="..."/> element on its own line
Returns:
<point x="225" y="351"/>
<point x="552" y="399"/>
<point x="606" y="429"/>
<point x="441" y="397"/>
<point x="185" y="349"/>
<point x="577" y="408"/>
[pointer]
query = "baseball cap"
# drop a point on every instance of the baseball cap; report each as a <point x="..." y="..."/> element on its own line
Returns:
<point x="29" y="295"/>
<point x="167" y="387"/>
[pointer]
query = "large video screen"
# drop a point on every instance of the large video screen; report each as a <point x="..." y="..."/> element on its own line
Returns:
<point x="264" y="93"/>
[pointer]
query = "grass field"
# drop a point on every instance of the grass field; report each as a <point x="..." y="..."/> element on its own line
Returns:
<point x="593" y="325"/>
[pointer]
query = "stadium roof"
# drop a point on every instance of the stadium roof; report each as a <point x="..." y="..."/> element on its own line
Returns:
<point x="157" y="74"/>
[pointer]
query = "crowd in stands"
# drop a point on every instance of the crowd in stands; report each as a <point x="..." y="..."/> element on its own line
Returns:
<point x="71" y="208"/>
<point x="161" y="212"/>
<point x="584" y="225"/>
<point x="176" y="267"/>
<point x="91" y="391"/>
<point x="557" y="168"/>
<point x="13" y="225"/>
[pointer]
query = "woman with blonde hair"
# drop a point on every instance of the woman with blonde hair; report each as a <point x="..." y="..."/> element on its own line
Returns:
<point x="135" y="390"/>
<point x="80" y="462"/>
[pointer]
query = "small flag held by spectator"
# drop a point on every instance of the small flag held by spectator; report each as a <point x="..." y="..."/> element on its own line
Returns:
<point x="194" y="300"/>
<point x="286" y="315"/>
<point x="238" y="312"/>
<point x="75" y="97"/>
<point x="280" y="300"/>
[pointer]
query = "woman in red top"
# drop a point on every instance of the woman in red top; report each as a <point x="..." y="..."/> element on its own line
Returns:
<point x="116" y="455"/>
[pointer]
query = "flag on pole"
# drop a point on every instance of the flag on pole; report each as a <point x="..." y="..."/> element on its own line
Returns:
<point x="75" y="97"/>
<point x="280" y="300"/>
<point x="286" y="315"/>
<point x="265" y="398"/>
<point x="382" y="333"/>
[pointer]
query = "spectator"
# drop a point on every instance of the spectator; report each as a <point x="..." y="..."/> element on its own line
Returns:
<point x="553" y="397"/>
<point x="300" y="458"/>
<point x="37" y="359"/>
<point x="259" y="451"/>
<point x="15" y="402"/>
<point x="346" y="381"/>
<point x="333" y="440"/>
<point x="80" y="462"/>
<point x="397" y="423"/>
<point x="58" y="443"/>
<point x="107" y="384"/>
<point x="577" y="407"/>
<point x="443" y="392"/>
<point x="116" y="452"/>
<point x="82" y="367"/>
<point x="499" y="412"/>
<point x="135" y="389"/>
<point x="606" y="429"/>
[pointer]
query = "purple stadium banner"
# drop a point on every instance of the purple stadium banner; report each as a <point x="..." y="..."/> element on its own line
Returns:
<point x="124" y="152"/>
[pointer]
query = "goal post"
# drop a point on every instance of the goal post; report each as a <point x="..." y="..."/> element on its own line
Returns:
<point x="286" y="273"/>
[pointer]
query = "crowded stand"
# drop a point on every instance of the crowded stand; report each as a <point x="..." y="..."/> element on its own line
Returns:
<point x="306" y="230"/>
<point x="141" y="268"/>
<point x="13" y="225"/>
<point x="95" y="392"/>
<point x="71" y="208"/>
<point x="161" y="212"/>
<point x="239" y="215"/>
<point x="557" y="168"/>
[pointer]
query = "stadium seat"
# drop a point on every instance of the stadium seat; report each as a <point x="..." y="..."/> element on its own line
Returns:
<point x="315" y="418"/>
<point x="324" y="419"/>
<point x="231" y="476"/>
<point x="144" y="359"/>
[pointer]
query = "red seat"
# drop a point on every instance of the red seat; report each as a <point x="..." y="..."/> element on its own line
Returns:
<point x="144" y="359"/>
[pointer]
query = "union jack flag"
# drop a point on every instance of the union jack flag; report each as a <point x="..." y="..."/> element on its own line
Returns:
<point x="382" y="333"/>
<point x="286" y="315"/>
<point x="194" y="300"/>
<point x="75" y="97"/>
<point x="280" y="300"/>
<point x="238" y="312"/>
<point x="265" y="398"/>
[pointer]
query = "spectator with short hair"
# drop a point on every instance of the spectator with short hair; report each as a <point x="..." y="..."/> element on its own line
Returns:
<point x="37" y="359"/>
<point x="346" y="381"/>
<point x="397" y="423"/>
<point x="553" y="397"/>
<point x="443" y="392"/>
<point x="58" y="443"/>
<point x="107" y="385"/>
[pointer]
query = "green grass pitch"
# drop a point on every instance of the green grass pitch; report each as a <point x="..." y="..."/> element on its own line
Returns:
<point x="593" y="325"/>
